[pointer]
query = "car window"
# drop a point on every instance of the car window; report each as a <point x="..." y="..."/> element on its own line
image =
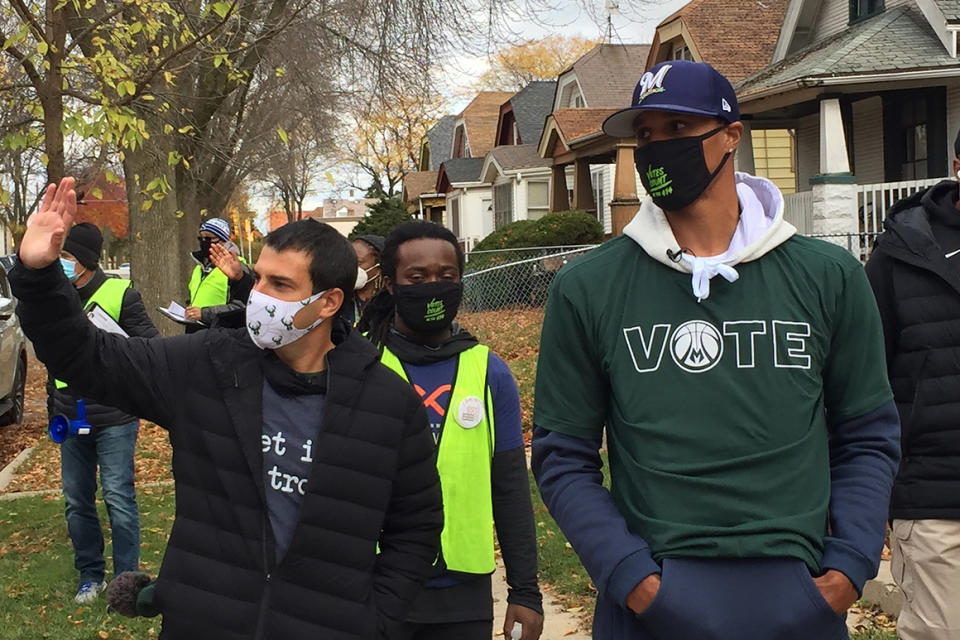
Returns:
<point x="4" y="285"/>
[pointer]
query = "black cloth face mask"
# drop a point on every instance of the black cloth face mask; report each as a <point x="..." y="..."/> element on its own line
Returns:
<point x="428" y="306"/>
<point x="674" y="172"/>
<point x="205" y="247"/>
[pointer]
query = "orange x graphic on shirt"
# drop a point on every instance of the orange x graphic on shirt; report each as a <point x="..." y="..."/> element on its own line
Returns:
<point x="431" y="400"/>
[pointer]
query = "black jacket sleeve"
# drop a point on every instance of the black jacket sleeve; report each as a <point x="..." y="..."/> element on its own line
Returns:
<point x="143" y="377"/>
<point x="237" y="294"/>
<point x="880" y="274"/>
<point x="410" y="539"/>
<point x="133" y="316"/>
<point x="516" y="531"/>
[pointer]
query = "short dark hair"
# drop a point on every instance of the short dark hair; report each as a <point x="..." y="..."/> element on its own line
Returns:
<point x="415" y="230"/>
<point x="333" y="262"/>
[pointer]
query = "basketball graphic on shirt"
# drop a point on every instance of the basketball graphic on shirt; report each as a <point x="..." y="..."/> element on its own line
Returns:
<point x="696" y="346"/>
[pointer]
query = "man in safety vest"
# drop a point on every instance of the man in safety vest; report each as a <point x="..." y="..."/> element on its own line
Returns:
<point x="111" y="442"/>
<point x="474" y="409"/>
<point x="216" y="296"/>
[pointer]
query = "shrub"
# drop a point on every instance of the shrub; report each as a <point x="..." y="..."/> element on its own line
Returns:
<point x="382" y="217"/>
<point x="553" y="229"/>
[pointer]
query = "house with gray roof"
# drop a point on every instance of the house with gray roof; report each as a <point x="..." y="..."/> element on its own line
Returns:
<point x="468" y="199"/>
<point x="871" y="89"/>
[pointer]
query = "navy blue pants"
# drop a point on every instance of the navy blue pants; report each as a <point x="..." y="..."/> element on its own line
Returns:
<point x="726" y="599"/>
<point x="111" y="449"/>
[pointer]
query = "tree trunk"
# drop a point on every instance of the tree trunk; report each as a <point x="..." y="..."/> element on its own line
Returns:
<point x="155" y="244"/>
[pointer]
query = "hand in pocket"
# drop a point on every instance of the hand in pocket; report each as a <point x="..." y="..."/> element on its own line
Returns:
<point x="837" y="590"/>
<point x="643" y="594"/>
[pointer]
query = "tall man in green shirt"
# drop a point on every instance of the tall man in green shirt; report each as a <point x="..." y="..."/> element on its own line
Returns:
<point x="751" y="430"/>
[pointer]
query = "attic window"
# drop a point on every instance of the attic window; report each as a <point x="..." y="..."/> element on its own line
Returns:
<point x="861" y="9"/>
<point x="682" y="52"/>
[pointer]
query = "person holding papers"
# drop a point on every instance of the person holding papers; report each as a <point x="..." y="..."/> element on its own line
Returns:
<point x="114" y="435"/>
<point x="221" y="281"/>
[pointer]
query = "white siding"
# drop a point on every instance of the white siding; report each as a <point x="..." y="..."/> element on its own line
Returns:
<point x="808" y="151"/>
<point x="473" y="218"/>
<point x="834" y="16"/>
<point x="868" y="140"/>
<point x="953" y="117"/>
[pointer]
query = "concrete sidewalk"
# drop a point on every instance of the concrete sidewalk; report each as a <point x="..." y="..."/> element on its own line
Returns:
<point x="884" y="592"/>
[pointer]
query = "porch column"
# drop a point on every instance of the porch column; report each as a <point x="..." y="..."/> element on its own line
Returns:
<point x="582" y="187"/>
<point x="743" y="160"/>
<point x="559" y="200"/>
<point x="834" y="190"/>
<point x="625" y="201"/>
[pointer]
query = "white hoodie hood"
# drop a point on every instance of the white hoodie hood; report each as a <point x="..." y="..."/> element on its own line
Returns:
<point x="760" y="230"/>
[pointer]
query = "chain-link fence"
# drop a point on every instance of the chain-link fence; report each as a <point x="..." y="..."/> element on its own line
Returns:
<point x="521" y="277"/>
<point x="513" y="277"/>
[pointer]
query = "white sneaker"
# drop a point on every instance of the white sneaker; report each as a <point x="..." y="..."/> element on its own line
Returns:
<point x="89" y="591"/>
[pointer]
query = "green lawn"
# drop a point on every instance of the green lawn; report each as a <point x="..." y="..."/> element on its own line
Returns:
<point x="39" y="581"/>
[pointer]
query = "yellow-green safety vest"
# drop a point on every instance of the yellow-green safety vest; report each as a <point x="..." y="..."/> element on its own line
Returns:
<point x="210" y="290"/>
<point x="109" y="297"/>
<point x="464" y="463"/>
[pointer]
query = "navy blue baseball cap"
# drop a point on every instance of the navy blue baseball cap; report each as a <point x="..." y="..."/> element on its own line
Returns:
<point x="677" y="85"/>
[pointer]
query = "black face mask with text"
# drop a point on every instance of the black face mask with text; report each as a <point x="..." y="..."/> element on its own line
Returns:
<point x="428" y="306"/>
<point x="674" y="172"/>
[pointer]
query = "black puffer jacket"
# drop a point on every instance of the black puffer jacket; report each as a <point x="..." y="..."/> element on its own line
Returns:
<point x="918" y="293"/>
<point x="373" y="479"/>
<point x="135" y="321"/>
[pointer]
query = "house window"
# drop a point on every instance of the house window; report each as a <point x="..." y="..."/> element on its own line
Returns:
<point x="577" y="101"/>
<point x="455" y="216"/>
<point x="915" y="134"/>
<point x="681" y="52"/>
<point x="860" y="9"/>
<point x="538" y="199"/>
<point x="599" y="197"/>
<point x="502" y="205"/>
<point x="915" y="148"/>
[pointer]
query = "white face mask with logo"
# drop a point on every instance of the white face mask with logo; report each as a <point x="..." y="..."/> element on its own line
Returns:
<point x="270" y="321"/>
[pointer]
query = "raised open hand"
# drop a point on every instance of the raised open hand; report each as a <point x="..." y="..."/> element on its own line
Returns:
<point x="48" y="227"/>
<point x="226" y="261"/>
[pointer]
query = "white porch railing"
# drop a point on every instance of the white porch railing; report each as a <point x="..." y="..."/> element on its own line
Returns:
<point x="873" y="202"/>
<point x="798" y="211"/>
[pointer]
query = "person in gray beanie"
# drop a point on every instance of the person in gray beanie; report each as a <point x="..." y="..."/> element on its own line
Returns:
<point x="218" y="293"/>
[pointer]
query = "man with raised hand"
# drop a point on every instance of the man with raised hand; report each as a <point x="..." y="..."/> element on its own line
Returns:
<point x="296" y="455"/>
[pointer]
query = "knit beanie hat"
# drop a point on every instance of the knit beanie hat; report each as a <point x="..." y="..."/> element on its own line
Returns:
<point x="84" y="242"/>
<point x="374" y="241"/>
<point x="218" y="227"/>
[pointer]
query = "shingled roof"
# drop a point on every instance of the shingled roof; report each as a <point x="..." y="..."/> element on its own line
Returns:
<point x="457" y="171"/>
<point x="440" y="137"/>
<point x="737" y="38"/>
<point x="579" y="123"/>
<point x="608" y="73"/>
<point x="416" y="183"/>
<point x="896" y="40"/>
<point x="480" y="121"/>
<point x="950" y="9"/>
<point x="531" y="106"/>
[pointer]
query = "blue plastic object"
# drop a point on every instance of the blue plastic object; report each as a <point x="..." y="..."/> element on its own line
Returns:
<point x="62" y="427"/>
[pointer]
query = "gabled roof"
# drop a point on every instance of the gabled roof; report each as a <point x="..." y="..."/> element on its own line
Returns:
<point x="416" y="183"/>
<point x="608" y="73"/>
<point x="457" y="171"/>
<point x="570" y="126"/>
<point x="512" y="158"/>
<point x="480" y="121"/>
<point x="897" y="40"/>
<point x="530" y="107"/>
<point x="950" y="9"/>
<point x="440" y="137"/>
<point x="737" y="38"/>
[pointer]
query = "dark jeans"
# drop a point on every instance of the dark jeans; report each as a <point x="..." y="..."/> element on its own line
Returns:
<point x="112" y="448"/>
<point x="473" y="630"/>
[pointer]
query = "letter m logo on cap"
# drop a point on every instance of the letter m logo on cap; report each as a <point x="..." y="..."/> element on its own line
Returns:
<point x="651" y="84"/>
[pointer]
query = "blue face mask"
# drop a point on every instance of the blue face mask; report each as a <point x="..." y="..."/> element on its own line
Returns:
<point x="70" y="269"/>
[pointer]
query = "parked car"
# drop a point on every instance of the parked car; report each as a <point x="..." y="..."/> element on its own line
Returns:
<point x="13" y="358"/>
<point x="123" y="271"/>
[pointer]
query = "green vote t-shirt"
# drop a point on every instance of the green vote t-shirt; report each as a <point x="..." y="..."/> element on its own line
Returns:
<point x="716" y="412"/>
